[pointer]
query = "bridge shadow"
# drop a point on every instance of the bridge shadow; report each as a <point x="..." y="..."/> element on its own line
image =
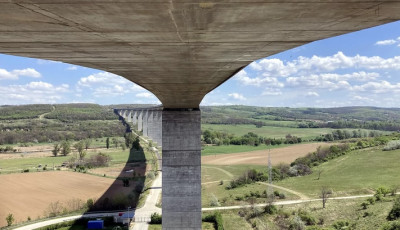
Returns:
<point x="127" y="187"/>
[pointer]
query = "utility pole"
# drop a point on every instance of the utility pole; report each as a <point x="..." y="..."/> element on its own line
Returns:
<point x="270" y="189"/>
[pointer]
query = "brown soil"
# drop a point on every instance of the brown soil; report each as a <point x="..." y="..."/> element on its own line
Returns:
<point x="30" y="194"/>
<point x="260" y="157"/>
<point x="120" y="170"/>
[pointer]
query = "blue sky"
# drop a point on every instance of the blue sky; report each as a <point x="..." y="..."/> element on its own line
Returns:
<point x="356" y="69"/>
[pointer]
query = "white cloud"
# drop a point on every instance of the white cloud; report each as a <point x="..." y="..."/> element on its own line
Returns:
<point x="271" y="92"/>
<point x="237" y="96"/>
<point x="33" y="92"/>
<point x="316" y="64"/>
<point x="15" y="74"/>
<point x="312" y="94"/>
<point x="45" y="62"/>
<point x="385" y="42"/>
<point x="360" y="98"/>
<point x="378" y="87"/>
<point x="258" y="81"/>
<point x="145" y="95"/>
<point x="107" y="84"/>
<point x="74" y="67"/>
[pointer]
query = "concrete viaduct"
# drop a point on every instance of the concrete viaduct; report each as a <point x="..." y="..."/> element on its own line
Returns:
<point x="145" y="120"/>
<point x="179" y="50"/>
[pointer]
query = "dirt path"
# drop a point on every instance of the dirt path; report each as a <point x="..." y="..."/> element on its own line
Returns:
<point x="41" y="117"/>
<point x="222" y="170"/>
<point x="301" y="195"/>
<point x="260" y="157"/>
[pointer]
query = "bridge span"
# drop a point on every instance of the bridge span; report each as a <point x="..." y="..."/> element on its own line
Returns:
<point x="179" y="50"/>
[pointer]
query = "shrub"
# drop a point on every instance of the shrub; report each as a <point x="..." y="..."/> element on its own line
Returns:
<point x="364" y="205"/>
<point x="392" y="145"/>
<point x="394" y="214"/>
<point x="151" y="175"/>
<point x="307" y="218"/>
<point x="391" y="226"/>
<point x="371" y="200"/>
<point x="282" y="196"/>
<point x="297" y="224"/>
<point x="155" y="218"/>
<point x="344" y="225"/>
<point x="214" y="201"/>
<point x="270" y="209"/>
<point x="10" y="219"/>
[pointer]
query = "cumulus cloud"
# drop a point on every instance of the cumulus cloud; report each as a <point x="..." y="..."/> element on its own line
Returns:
<point x="33" y="92"/>
<point x="378" y="87"/>
<point x="15" y="74"/>
<point x="312" y="94"/>
<point x="145" y="95"/>
<point x="271" y="92"/>
<point x="237" y="96"/>
<point x="316" y="64"/>
<point x="107" y="84"/>
<point x="243" y="77"/>
<point x="72" y="67"/>
<point x="385" y="42"/>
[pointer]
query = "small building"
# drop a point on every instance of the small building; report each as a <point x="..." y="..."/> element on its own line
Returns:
<point x="124" y="217"/>
<point x="95" y="224"/>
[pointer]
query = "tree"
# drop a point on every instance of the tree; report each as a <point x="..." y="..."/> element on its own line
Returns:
<point x="136" y="143"/>
<point x="325" y="193"/>
<point x="394" y="214"/>
<point x="56" y="150"/>
<point x="129" y="139"/>
<point x="108" y="142"/>
<point x="10" y="219"/>
<point x="87" y="142"/>
<point x="115" y="142"/>
<point x="66" y="148"/>
<point x="79" y="146"/>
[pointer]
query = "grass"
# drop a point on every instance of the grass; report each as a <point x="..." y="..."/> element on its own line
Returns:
<point x="205" y="226"/>
<point x="227" y="197"/>
<point x="226" y="149"/>
<point x="359" y="172"/>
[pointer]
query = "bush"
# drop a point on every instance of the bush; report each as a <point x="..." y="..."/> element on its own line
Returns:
<point x="215" y="218"/>
<point x="155" y="218"/>
<point x="282" y="196"/>
<point x="270" y="209"/>
<point x="344" y="225"/>
<point x="307" y="218"/>
<point x="10" y="219"/>
<point x="394" y="214"/>
<point x="391" y="226"/>
<point x="371" y="200"/>
<point x="392" y="145"/>
<point x="297" y="224"/>
<point x="214" y="201"/>
<point x="151" y="175"/>
<point x="364" y="205"/>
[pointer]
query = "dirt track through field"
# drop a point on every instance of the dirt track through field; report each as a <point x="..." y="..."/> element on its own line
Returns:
<point x="29" y="194"/>
<point x="260" y="157"/>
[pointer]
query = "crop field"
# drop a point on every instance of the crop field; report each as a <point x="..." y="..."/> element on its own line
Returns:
<point x="359" y="172"/>
<point x="227" y="149"/>
<point x="260" y="157"/>
<point x="30" y="194"/>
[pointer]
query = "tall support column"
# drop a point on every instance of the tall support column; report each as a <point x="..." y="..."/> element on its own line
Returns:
<point x="145" y="117"/>
<point x="159" y="127"/>
<point x="140" y="120"/>
<point x="181" y="166"/>
<point x="129" y="117"/>
<point x="134" y="117"/>
<point x="150" y="124"/>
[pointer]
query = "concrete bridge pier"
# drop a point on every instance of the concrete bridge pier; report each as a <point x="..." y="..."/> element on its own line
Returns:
<point x="129" y="116"/>
<point x="158" y="127"/>
<point x="134" y="119"/>
<point x="140" y="121"/>
<point x="145" y="123"/>
<point x="150" y="124"/>
<point x="181" y="165"/>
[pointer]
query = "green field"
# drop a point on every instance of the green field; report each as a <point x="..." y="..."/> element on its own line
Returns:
<point x="268" y="131"/>
<point x="226" y="149"/>
<point x="358" y="172"/>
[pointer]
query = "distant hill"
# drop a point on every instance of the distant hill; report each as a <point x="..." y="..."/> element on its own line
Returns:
<point x="342" y="117"/>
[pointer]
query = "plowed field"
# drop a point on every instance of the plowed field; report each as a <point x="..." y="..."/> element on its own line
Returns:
<point x="29" y="194"/>
<point x="260" y="157"/>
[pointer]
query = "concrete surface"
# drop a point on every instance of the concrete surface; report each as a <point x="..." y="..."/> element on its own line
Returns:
<point x="181" y="165"/>
<point x="179" y="49"/>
